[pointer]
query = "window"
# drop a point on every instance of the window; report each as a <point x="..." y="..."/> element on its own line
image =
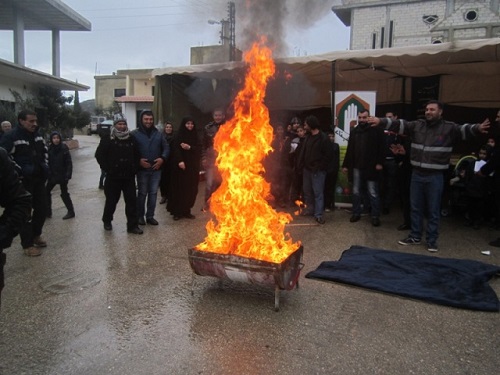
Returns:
<point x="119" y="92"/>
<point x="430" y="19"/>
<point x="470" y="15"/>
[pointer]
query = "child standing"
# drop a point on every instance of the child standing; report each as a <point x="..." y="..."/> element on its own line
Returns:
<point x="60" y="171"/>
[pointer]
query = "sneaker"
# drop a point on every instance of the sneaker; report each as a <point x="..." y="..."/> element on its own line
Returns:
<point x="432" y="247"/>
<point x="135" y="230"/>
<point x="32" y="251"/>
<point x="39" y="242"/>
<point x="108" y="226"/>
<point x="320" y="220"/>
<point x="404" y="227"/>
<point x="409" y="241"/>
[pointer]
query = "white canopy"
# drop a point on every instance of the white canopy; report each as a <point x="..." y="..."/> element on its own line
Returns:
<point x="469" y="74"/>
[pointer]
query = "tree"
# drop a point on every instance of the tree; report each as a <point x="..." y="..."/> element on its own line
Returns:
<point x="54" y="110"/>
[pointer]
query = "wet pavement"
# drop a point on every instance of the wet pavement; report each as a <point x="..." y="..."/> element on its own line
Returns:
<point x="100" y="302"/>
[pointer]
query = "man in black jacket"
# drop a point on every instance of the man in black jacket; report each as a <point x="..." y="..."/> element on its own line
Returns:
<point x="365" y="158"/>
<point x="16" y="202"/>
<point x="118" y="156"/>
<point x="26" y="146"/>
<point x="313" y="160"/>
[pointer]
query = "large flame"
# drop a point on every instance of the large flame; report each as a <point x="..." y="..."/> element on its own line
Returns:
<point x="246" y="225"/>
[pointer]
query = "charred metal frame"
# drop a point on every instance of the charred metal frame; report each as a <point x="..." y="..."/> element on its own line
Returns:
<point x="282" y="276"/>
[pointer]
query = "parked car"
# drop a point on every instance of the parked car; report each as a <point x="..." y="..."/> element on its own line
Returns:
<point x="92" y="127"/>
<point x="104" y="126"/>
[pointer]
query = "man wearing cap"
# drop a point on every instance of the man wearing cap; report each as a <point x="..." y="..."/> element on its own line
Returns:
<point x="118" y="156"/>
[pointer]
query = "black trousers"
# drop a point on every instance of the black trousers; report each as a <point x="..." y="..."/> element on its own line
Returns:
<point x="112" y="190"/>
<point x="64" y="196"/>
<point x="33" y="228"/>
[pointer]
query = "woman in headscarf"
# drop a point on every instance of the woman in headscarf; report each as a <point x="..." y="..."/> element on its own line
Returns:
<point x="185" y="148"/>
<point x="166" y="171"/>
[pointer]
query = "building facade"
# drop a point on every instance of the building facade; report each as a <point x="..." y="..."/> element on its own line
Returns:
<point x="398" y="23"/>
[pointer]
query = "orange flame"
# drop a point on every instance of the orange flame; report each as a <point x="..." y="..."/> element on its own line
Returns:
<point x="246" y="225"/>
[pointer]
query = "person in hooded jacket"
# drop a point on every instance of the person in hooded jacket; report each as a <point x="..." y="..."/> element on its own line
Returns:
<point x="154" y="151"/>
<point x="60" y="171"/>
<point x="185" y="170"/>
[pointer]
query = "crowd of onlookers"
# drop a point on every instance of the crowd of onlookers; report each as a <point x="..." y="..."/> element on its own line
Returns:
<point x="385" y="157"/>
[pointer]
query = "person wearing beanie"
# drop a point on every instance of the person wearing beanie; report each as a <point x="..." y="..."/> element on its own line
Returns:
<point x="118" y="155"/>
<point x="60" y="171"/>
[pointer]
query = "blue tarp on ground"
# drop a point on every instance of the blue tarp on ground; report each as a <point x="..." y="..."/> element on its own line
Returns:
<point x="452" y="282"/>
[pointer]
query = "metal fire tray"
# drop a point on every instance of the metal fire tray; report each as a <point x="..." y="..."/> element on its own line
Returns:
<point x="281" y="276"/>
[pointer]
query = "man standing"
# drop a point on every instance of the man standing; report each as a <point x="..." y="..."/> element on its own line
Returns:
<point x="154" y="151"/>
<point x="432" y="141"/>
<point x="16" y="202"/>
<point x="118" y="156"/>
<point x="26" y="146"/>
<point x="365" y="157"/>
<point x="208" y="155"/>
<point x="314" y="158"/>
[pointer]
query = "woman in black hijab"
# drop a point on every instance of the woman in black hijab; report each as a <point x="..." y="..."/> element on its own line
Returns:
<point x="185" y="149"/>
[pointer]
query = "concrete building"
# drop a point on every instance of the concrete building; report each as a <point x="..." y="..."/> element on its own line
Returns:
<point x="399" y="23"/>
<point x="35" y="15"/>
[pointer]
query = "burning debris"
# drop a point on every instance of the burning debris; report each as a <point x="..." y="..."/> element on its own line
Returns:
<point x="246" y="225"/>
<point x="246" y="242"/>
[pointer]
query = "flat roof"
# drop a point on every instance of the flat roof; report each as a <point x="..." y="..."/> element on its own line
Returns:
<point x="42" y="15"/>
<point x="23" y="74"/>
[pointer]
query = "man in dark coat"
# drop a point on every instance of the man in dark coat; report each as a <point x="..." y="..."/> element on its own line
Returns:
<point x="16" y="202"/>
<point x="313" y="160"/>
<point x="365" y="156"/>
<point x="27" y="148"/>
<point x="118" y="156"/>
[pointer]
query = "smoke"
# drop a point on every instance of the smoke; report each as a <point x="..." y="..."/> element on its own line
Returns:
<point x="272" y="18"/>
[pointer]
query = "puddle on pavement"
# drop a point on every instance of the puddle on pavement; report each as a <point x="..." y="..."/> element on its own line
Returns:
<point x="70" y="283"/>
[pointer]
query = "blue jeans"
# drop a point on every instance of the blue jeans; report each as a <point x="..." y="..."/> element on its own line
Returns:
<point x="314" y="186"/>
<point x="425" y="198"/>
<point x="148" y="181"/>
<point x="358" y="181"/>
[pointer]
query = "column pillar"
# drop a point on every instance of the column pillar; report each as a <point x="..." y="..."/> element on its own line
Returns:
<point x="56" y="53"/>
<point x="18" y="37"/>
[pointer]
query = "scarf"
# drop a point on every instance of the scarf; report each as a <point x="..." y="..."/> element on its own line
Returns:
<point x="118" y="134"/>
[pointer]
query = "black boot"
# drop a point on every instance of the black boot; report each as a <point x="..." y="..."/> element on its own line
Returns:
<point x="69" y="205"/>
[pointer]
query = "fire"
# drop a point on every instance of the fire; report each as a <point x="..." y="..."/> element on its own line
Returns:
<point x="245" y="224"/>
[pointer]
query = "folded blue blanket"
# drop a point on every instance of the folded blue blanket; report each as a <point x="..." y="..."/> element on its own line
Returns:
<point x="451" y="282"/>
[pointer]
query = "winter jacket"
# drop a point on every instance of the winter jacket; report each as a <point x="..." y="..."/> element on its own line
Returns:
<point x="60" y="164"/>
<point x="118" y="158"/>
<point x="14" y="199"/>
<point x="365" y="149"/>
<point x="151" y="144"/>
<point x="315" y="152"/>
<point x="431" y="142"/>
<point x="28" y="150"/>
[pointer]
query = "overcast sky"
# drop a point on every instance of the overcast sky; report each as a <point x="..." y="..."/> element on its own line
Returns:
<point x="127" y="34"/>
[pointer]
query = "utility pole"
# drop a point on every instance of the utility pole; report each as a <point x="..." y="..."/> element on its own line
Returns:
<point x="232" y="31"/>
